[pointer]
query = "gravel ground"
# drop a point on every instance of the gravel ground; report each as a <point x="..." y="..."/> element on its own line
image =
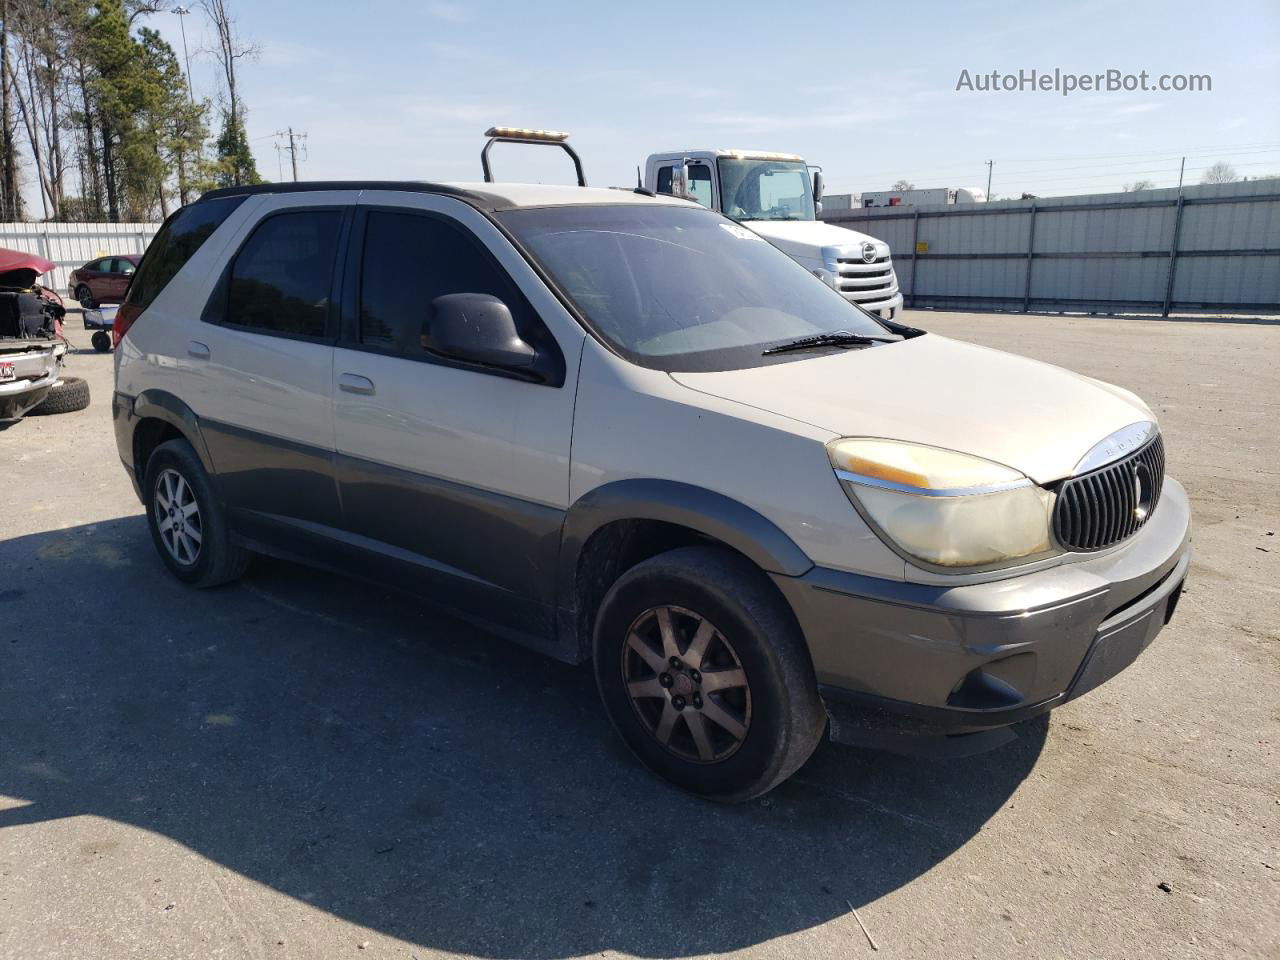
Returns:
<point x="304" y="766"/>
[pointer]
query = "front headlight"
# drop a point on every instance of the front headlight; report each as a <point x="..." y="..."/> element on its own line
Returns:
<point x="946" y="508"/>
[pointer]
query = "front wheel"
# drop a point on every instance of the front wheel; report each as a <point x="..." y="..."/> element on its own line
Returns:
<point x="188" y="525"/>
<point x="704" y="672"/>
<point x="85" y="297"/>
<point x="101" y="341"/>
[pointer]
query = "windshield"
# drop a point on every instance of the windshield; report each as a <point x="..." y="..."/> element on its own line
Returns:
<point x="681" y="288"/>
<point x="765" y="189"/>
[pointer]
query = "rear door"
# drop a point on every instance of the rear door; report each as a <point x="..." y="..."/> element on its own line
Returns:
<point x="460" y="472"/>
<point x="264" y="354"/>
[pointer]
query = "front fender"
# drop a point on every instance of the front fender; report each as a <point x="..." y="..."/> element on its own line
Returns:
<point x="696" y="508"/>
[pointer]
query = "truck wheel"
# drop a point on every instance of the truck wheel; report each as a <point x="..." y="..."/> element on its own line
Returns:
<point x="705" y="674"/>
<point x="65" y="396"/>
<point x="85" y="298"/>
<point x="101" y="341"/>
<point x="188" y="525"/>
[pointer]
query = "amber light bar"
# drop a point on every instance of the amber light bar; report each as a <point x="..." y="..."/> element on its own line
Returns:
<point x="523" y="133"/>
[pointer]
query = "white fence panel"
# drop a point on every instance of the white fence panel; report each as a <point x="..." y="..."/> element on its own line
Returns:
<point x="71" y="245"/>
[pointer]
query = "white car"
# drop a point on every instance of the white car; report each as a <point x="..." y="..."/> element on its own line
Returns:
<point x="623" y="428"/>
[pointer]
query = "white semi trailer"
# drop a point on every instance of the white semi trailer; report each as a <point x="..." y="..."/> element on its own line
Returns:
<point x="774" y="195"/>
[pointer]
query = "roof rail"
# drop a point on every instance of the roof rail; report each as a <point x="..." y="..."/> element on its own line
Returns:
<point x="550" y="138"/>
<point x="309" y="186"/>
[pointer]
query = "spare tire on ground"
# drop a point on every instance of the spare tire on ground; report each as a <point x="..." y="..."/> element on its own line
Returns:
<point x="66" y="396"/>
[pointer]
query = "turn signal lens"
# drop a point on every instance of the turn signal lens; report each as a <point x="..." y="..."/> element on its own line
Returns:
<point x="923" y="468"/>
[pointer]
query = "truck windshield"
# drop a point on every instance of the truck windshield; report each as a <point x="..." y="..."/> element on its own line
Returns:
<point x="676" y="287"/>
<point x="765" y="189"/>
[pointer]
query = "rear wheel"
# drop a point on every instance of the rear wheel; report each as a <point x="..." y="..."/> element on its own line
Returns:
<point x="705" y="674"/>
<point x="188" y="525"/>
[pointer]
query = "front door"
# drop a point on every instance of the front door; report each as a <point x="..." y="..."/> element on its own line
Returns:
<point x="461" y="472"/>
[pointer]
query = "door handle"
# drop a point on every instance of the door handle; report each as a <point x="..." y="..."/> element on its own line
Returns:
<point x="354" y="383"/>
<point x="198" y="350"/>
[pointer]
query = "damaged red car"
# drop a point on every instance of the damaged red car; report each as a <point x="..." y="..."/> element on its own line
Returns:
<point x="31" y="342"/>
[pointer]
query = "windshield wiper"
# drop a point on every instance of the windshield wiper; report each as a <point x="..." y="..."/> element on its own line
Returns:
<point x="837" y="338"/>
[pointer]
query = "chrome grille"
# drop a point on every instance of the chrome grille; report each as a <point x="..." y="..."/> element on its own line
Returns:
<point x="1107" y="505"/>
<point x="860" y="281"/>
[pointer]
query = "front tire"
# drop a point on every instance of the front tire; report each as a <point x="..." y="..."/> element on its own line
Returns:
<point x="85" y="298"/>
<point x="188" y="525"/>
<point x="705" y="674"/>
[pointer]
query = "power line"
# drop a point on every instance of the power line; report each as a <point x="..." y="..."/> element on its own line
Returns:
<point x="294" y="140"/>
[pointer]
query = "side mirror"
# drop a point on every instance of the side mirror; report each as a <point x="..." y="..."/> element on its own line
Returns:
<point x="680" y="179"/>
<point x="817" y="186"/>
<point x="478" y="328"/>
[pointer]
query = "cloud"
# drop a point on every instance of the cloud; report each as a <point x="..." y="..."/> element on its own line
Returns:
<point x="449" y="12"/>
<point x="285" y="53"/>
<point x="766" y="122"/>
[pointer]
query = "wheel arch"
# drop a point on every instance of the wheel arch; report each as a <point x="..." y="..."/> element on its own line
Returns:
<point x="615" y="526"/>
<point x="159" y="417"/>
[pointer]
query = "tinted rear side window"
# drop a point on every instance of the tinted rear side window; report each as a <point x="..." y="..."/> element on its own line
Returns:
<point x="282" y="276"/>
<point x="176" y="243"/>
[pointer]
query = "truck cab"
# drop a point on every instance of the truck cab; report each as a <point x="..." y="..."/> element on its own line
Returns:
<point x="774" y="195"/>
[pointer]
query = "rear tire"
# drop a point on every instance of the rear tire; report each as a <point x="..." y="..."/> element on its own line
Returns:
<point x="66" y="396"/>
<point x="101" y="341"/>
<point x="188" y="525"/>
<point x="705" y="674"/>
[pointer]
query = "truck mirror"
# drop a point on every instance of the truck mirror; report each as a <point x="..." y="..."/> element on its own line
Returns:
<point x="680" y="180"/>
<point x="817" y="186"/>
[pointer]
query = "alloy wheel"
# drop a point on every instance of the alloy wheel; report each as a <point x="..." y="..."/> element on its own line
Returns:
<point x="177" y="516"/>
<point x="687" y="684"/>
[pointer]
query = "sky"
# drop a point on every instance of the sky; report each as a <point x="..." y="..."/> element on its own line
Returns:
<point x="394" y="89"/>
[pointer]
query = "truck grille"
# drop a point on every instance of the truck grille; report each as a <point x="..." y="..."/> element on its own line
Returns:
<point x="1105" y="506"/>
<point x="864" y="282"/>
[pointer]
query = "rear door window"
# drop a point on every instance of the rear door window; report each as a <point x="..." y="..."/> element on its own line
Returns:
<point x="282" y="277"/>
<point x="176" y="243"/>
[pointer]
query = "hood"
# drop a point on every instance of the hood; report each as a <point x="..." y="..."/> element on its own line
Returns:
<point x="1032" y="416"/>
<point x="807" y="238"/>
<point x="19" y="269"/>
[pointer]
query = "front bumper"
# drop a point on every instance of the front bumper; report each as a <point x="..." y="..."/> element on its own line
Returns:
<point x="929" y="661"/>
<point x="36" y="371"/>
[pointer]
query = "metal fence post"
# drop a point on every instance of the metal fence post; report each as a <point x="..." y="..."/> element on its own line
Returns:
<point x="1173" y="257"/>
<point x="915" y="258"/>
<point x="1031" y="245"/>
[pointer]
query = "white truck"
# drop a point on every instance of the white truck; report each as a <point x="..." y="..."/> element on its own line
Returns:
<point x="774" y="195"/>
<point x="922" y="197"/>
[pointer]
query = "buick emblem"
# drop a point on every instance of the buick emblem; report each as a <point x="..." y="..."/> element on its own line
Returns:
<point x="868" y="253"/>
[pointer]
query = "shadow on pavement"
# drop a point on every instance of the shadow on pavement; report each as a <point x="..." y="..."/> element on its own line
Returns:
<point x="413" y="774"/>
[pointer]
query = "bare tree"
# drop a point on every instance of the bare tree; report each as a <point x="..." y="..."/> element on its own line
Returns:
<point x="903" y="185"/>
<point x="1139" y="185"/>
<point x="234" y="155"/>
<point x="1220" y="172"/>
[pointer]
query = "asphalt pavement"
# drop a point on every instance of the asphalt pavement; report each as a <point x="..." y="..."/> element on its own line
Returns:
<point x="301" y="765"/>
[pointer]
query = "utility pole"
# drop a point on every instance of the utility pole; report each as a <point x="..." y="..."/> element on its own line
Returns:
<point x="292" y="148"/>
<point x="182" y="12"/>
<point x="1181" y="170"/>
<point x="990" y="165"/>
